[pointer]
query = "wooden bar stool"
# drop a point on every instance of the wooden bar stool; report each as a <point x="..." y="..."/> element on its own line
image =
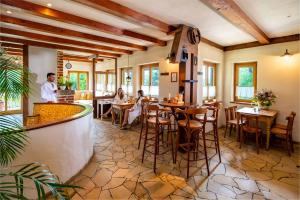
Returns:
<point x="194" y="130"/>
<point x="144" y="105"/>
<point x="286" y="131"/>
<point x="152" y="138"/>
<point x="247" y="128"/>
<point x="213" y="119"/>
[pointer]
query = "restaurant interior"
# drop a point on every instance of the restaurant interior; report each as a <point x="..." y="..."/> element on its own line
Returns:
<point x="149" y="99"/>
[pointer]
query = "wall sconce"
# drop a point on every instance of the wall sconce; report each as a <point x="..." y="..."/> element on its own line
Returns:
<point x="168" y="58"/>
<point x="286" y="55"/>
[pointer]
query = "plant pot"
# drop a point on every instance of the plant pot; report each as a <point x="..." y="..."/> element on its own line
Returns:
<point x="62" y="87"/>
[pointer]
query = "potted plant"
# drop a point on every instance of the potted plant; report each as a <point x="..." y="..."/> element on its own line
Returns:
<point x="69" y="84"/>
<point x="264" y="99"/>
<point x="62" y="83"/>
<point x="13" y="139"/>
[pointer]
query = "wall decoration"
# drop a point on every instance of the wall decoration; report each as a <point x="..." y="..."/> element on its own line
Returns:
<point x="164" y="74"/>
<point x="173" y="76"/>
<point x="68" y="65"/>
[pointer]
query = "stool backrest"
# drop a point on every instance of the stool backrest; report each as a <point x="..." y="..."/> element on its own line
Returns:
<point x="290" y="119"/>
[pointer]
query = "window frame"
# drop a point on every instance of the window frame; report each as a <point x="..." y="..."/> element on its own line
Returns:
<point x="207" y="64"/>
<point x="78" y="72"/>
<point x="236" y="77"/>
<point x="123" y="70"/>
<point x="150" y="66"/>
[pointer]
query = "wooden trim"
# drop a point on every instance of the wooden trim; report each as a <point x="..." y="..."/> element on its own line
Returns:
<point x="236" y="67"/>
<point x="8" y="49"/>
<point x="57" y="46"/>
<point x="52" y="39"/>
<point x="289" y="38"/>
<point x="77" y="60"/>
<point x="67" y="32"/>
<point x="10" y="45"/>
<point x="127" y="13"/>
<point x="25" y="104"/>
<point x="78" y="72"/>
<point x="80" y="57"/>
<point x="14" y="53"/>
<point x="211" y="43"/>
<point x="234" y="14"/>
<point x="50" y="13"/>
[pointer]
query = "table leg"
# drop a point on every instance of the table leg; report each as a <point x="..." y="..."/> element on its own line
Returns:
<point x="101" y="111"/>
<point x="121" y="116"/>
<point x="238" y="127"/>
<point x="268" y="132"/>
<point x="97" y="110"/>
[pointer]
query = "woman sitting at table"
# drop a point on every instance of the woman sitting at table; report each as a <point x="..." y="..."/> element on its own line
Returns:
<point x="119" y="99"/>
<point x="134" y="112"/>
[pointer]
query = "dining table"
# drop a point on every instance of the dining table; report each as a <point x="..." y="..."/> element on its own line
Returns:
<point x="121" y="107"/>
<point x="173" y="106"/>
<point x="266" y="116"/>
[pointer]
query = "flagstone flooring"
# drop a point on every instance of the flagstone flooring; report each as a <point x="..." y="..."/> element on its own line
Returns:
<point x="116" y="172"/>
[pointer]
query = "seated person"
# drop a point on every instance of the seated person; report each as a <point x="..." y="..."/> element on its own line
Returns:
<point x="115" y="100"/>
<point x="134" y="112"/>
<point x="119" y="99"/>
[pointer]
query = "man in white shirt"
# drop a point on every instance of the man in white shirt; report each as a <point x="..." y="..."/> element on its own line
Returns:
<point x="49" y="89"/>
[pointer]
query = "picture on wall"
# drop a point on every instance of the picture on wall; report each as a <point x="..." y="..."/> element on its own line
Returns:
<point x="173" y="76"/>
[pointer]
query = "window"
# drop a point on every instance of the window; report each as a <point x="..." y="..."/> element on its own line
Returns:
<point x="209" y="80"/>
<point x="80" y="80"/>
<point x="245" y="81"/>
<point x="126" y="83"/>
<point x="7" y="104"/>
<point x="105" y="83"/>
<point x="150" y="79"/>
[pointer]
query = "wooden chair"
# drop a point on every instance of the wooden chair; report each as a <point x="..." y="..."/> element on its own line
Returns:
<point x="158" y="123"/>
<point x="231" y="121"/>
<point x="193" y="127"/>
<point x="286" y="131"/>
<point x="247" y="128"/>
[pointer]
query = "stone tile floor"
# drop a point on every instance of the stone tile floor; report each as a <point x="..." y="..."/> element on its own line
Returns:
<point x="116" y="172"/>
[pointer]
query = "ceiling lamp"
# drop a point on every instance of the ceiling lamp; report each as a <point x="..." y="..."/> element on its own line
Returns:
<point x="8" y="12"/>
<point x="49" y="5"/>
<point x="286" y="54"/>
<point x="168" y="58"/>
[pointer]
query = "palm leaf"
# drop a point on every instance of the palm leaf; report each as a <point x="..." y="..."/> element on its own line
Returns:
<point x="12" y="139"/>
<point x="41" y="177"/>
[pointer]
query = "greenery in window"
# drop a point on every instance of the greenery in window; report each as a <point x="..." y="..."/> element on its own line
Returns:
<point x="13" y="139"/>
<point x="246" y="77"/>
<point x="155" y="76"/>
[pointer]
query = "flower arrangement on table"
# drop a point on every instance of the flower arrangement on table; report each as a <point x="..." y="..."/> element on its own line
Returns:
<point x="264" y="99"/>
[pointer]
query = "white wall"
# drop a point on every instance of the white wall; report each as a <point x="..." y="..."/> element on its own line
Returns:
<point x="41" y="61"/>
<point x="274" y="73"/>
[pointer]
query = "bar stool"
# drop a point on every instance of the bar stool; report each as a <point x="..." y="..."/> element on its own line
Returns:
<point x="213" y="119"/>
<point x="144" y="104"/>
<point x="193" y="128"/>
<point x="152" y="139"/>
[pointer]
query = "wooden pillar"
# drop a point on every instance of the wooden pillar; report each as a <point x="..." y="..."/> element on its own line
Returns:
<point x="116" y="73"/>
<point x="94" y="87"/>
<point x="25" y="80"/>
<point x="184" y="51"/>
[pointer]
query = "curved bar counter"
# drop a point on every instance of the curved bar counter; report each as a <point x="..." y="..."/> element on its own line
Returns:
<point x="60" y="136"/>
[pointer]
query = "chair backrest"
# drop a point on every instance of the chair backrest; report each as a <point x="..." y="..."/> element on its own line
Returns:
<point x="246" y="118"/>
<point x="230" y="113"/>
<point x="290" y="119"/>
<point x="144" y="104"/>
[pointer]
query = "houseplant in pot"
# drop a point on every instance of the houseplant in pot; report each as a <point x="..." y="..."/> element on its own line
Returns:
<point x="62" y="83"/>
<point x="69" y="84"/>
<point x="13" y="139"/>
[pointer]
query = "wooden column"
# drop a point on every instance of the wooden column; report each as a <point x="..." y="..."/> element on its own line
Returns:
<point x="25" y="80"/>
<point x="186" y="42"/>
<point x="94" y="87"/>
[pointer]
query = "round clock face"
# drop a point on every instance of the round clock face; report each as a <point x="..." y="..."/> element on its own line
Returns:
<point x="68" y="65"/>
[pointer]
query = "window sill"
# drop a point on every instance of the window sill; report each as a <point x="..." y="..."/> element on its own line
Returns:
<point x="241" y="103"/>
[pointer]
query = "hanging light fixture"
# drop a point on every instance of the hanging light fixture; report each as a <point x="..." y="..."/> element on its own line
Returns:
<point x="286" y="55"/>
<point x="168" y="58"/>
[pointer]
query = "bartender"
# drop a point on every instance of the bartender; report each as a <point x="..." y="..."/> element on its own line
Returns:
<point x="49" y="89"/>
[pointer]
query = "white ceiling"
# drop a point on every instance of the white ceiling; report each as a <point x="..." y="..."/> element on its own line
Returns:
<point x="270" y="15"/>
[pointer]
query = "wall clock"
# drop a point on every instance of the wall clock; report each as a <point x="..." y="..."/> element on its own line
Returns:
<point x="68" y="65"/>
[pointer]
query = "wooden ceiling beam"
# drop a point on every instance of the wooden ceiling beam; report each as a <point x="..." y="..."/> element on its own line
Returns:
<point x="11" y="45"/>
<point x="276" y="40"/>
<point x="234" y="14"/>
<point x="80" y="57"/>
<point x="47" y="38"/>
<point x="77" y="60"/>
<point x="57" y="46"/>
<point x="14" y="53"/>
<point x="67" y="32"/>
<point x="127" y="13"/>
<point x="13" y="50"/>
<point x="80" y="21"/>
